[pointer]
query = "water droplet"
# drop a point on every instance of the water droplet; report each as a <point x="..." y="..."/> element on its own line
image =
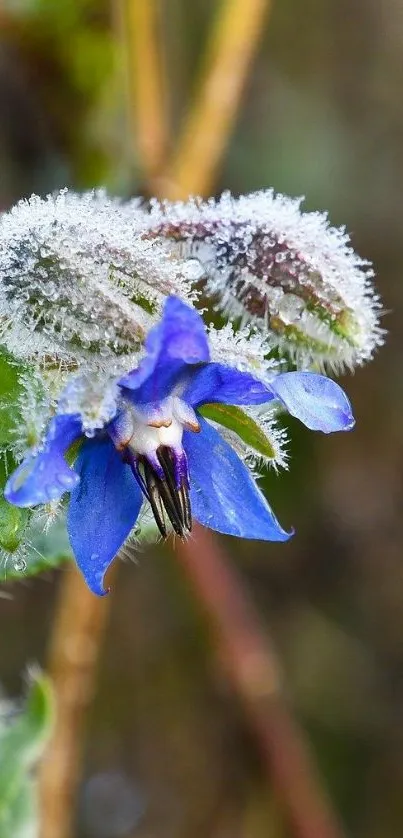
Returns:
<point x="193" y="269"/>
<point x="94" y="557"/>
<point x="20" y="565"/>
<point x="65" y="479"/>
<point x="49" y="289"/>
<point x="290" y="308"/>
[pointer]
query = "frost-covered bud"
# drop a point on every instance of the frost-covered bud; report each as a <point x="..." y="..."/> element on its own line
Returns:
<point x="78" y="280"/>
<point x="290" y="273"/>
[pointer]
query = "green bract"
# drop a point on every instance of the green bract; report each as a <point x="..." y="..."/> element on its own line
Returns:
<point x="235" y="419"/>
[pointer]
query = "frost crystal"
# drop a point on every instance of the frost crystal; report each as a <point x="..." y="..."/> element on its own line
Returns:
<point x="244" y="349"/>
<point x="34" y="408"/>
<point x="247" y="351"/>
<point x="289" y="273"/>
<point x="78" y="280"/>
<point x="94" y="397"/>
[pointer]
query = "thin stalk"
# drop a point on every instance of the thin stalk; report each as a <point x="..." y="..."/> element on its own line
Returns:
<point x="146" y="90"/>
<point x="230" y="50"/>
<point x="72" y="664"/>
<point x="253" y="668"/>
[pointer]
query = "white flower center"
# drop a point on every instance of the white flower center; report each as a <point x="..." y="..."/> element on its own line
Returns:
<point x="146" y="439"/>
<point x="146" y="428"/>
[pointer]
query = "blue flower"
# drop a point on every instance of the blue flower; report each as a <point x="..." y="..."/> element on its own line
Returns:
<point x="156" y="445"/>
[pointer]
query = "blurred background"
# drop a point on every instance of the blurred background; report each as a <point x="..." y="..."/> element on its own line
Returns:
<point x="167" y="751"/>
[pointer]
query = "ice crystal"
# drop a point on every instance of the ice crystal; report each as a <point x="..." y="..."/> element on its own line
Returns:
<point x="246" y="349"/>
<point x="77" y="279"/>
<point x="43" y="518"/>
<point x="286" y="271"/>
<point x="94" y="397"/>
<point x="27" y="416"/>
<point x="35" y="405"/>
<point x="267" y="419"/>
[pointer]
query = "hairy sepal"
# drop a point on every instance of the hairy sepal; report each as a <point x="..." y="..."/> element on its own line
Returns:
<point x="78" y="280"/>
<point x="291" y="274"/>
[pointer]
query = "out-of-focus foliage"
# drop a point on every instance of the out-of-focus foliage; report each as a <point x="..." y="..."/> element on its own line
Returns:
<point x="62" y="59"/>
<point x="22" y="740"/>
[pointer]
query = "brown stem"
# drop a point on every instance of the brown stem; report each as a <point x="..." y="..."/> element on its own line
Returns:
<point x="230" y="50"/>
<point x="73" y="656"/>
<point x="253" y="668"/>
<point x="146" y="92"/>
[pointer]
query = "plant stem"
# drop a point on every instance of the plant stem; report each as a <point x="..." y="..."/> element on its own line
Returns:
<point x="230" y="50"/>
<point x="253" y="669"/>
<point x="147" y="96"/>
<point x="73" y="656"/>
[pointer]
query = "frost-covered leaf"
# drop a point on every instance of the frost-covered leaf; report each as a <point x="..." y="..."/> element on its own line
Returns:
<point x="10" y="391"/>
<point x="13" y="521"/>
<point x="20" y="427"/>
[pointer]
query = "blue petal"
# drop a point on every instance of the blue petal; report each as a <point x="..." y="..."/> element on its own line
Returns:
<point x="223" y="494"/>
<point x="45" y="476"/>
<point x="103" y="509"/>
<point x="178" y="340"/>
<point x="315" y="400"/>
<point x="219" y="383"/>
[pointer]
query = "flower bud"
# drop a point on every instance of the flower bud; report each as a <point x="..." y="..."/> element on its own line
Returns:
<point x="77" y="280"/>
<point x="289" y="273"/>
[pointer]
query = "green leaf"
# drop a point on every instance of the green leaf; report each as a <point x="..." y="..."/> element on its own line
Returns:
<point x="10" y="390"/>
<point x="237" y="420"/>
<point x="21" y="745"/>
<point x="13" y="521"/>
<point x="50" y="551"/>
<point x="45" y="552"/>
